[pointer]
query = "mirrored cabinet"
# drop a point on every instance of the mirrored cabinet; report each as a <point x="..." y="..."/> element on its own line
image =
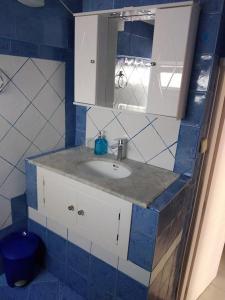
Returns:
<point x="136" y="59"/>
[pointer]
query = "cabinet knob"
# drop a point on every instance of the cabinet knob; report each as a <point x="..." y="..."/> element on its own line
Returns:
<point x="153" y="63"/>
<point x="92" y="61"/>
<point x="80" y="212"/>
<point x="71" y="207"/>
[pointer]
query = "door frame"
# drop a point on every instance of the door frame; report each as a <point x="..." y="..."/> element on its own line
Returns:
<point x="213" y="135"/>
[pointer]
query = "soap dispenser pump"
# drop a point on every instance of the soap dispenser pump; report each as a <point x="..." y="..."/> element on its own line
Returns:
<point x="101" y="144"/>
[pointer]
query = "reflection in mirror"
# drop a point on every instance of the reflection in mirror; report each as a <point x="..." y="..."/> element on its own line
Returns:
<point x="133" y="63"/>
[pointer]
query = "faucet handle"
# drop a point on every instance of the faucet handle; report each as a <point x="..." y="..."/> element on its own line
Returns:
<point x="122" y="141"/>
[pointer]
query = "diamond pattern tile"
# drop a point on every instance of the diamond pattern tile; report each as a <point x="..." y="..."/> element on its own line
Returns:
<point x="5" y="217"/>
<point x="25" y="128"/>
<point x="29" y="80"/>
<point x="47" y="101"/>
<point x="12" y="103"/>
<point x="47" y="69"/>
<point x="57" y="81"/>
<point x="152" y="139"/>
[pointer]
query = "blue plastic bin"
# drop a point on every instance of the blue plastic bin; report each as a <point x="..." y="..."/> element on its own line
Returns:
<point x="21" y="253"/>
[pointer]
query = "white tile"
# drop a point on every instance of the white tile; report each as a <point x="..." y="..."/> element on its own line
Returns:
<point x="104" y="255"/>
<point x="133" y="122"/>
<point x="60" y="144"/>
<point x="91" y="130"/>
<point x="100" y="116"/>
<point x="33" y="150"/>
<point x="13" y="146"/>
<point x="168" y="128"/>
<point x="47" y="139"/>
<point x="5" y="169"/>
<point x="47" y="67"/>
<point x="114" y="131"/>
<point x="78" y="240"/>
<point x="149" y="143"/>
<point x="134" y="153"/>
<point x="11" y="64"/>
<point x="29" y="79"/>
<point x="173" y="149"/>
<point x="134" y="271"/>
<point x="30" y="123"/>
<point x="57" y="228"/>
<point x="163" y="160"/>
<point x="58" y="81"/>
<point x="12" y="103"/>
<point x="14" y="185"/>
<point x="58" y="119"/>
<point x="47" y="101"/>
<point x="4" y="127"/>
<point x="6" y="214"/>
<point x="34" y="215"/>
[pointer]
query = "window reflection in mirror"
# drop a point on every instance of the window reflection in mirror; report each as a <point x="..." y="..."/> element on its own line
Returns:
<point x="133" y="63"/>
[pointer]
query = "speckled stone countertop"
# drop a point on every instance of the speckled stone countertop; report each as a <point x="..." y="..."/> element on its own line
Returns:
<point x="145" y="183"/>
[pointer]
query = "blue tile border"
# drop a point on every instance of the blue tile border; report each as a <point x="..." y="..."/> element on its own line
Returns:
<point x="31" y="184"/>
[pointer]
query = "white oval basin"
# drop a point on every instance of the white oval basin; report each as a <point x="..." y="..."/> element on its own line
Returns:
<point x="109" y="169"/>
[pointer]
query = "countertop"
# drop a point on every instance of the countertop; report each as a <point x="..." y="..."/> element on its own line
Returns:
<point x="144" y="184"/>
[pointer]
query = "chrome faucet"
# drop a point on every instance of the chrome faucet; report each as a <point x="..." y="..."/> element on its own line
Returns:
<point x="121" y="148"/>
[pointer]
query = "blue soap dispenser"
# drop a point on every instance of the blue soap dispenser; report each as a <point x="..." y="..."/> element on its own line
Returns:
<point x="101" y="144"/>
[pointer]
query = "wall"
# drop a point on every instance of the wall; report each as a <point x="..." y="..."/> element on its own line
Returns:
<point x="36" y="42"/>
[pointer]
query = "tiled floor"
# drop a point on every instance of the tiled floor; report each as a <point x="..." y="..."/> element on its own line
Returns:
<point x="216" y="290"/>
<point x="44" y="287"/>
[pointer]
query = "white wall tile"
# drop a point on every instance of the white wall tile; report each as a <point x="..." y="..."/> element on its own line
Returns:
<point x="57" y="81"/>
<point x="134" y="271"/>
<point x="14" y="185"/>
<point x="4" y="127"/>
<point x="104" y="255"/>
<point x="11" y="64"/>
<point x="29" y="80"/>
<point x="47" y="67"/>
<point x="34" y="215"/>
<point x="6" y="213"/>
<point x="78" y="240"/>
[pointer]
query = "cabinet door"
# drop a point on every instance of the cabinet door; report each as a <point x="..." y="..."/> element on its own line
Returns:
<point x="86" y="43"/>
<point x="98" y="216"/>
<point x="172" y="53"/>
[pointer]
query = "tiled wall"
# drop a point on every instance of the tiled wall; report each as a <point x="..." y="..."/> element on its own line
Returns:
<point x="32" y="118"/>
<point x="152" y="139"/>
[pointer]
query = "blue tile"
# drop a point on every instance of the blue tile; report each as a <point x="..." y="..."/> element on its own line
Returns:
<point x="56" y="246"/>
<point x="56" y="267"/>
<point x="196" y="107"/>
<point x="78" y="259"/>
<point x="201" y="74"/>
<point x="38" y="229"/>
<point x="67" y="293"/>
<point x="129" y="289"/>
<point x="19" y="208"/>
<point x="54" y="53"/>
<point x="44" y="291"/>
<point x="81" y="112"/>
<point x="8" y="293"/>
<point x="144" y="220"/>
<point x="123" y="46"/>
<point x="141" y="250"/>
<point x="29" y="29"/>
<point x="5" y="46"/>
<point x="208" y="33"/>
<point x="31" y="184"/>
<point x="210" y="6"/>
<point x="76" y="282"/>
<point x="188" y="142"/>
<point x="102" y="280"/>
<point x="24" y="49"/>
<point x="75" y="6"/>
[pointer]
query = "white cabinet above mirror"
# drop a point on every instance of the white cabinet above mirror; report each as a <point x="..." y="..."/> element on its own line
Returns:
<point x="136" y="59"/>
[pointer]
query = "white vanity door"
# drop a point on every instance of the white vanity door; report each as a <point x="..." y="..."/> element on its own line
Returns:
<point x="173" y="46"/>
<point x="98" y="216"/>
<point x="86" y="44"/>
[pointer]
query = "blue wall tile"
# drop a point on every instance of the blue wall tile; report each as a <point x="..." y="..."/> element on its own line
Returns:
<point x="102" y="280"/>
<point x="129" y="289"/>
<point x="43" y="289"/>
<point x="78" y="259"/>
<point x="19" y="208"/>
<point x="56" y="267"/>
<point x="77" y="282"/>
<point x="38" y="229"/>
<point x="31" y="183"/>
<point x="56" y="246"/>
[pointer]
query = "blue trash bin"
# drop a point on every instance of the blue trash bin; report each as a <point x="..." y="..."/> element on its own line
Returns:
<point x="21" y="254"/>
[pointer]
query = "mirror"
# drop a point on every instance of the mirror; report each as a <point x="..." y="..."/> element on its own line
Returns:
<point x="133" y="63"/>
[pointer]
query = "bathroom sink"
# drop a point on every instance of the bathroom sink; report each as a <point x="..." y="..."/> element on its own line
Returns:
<point x="108" y="169"/>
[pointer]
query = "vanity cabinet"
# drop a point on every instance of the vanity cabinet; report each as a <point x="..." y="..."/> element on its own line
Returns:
<point x="93" y="214"/>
